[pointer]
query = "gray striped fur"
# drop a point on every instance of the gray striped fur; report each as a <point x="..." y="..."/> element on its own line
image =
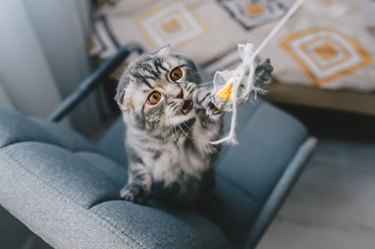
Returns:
<point x="170" y="155"/>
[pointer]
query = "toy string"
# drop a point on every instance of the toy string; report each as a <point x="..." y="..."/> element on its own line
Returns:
<point x="231" y="137"/>
<point x="279" y="25"/>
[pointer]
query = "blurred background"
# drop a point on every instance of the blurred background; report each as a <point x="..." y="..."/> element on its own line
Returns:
<point x="324" y="74"/>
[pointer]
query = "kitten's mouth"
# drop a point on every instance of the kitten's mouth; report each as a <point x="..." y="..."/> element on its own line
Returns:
<point x="186" y="107"/>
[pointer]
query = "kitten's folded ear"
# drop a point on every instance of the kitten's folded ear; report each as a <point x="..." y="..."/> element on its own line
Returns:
<point x="121" y="89"/>
<point x="166" y="50"/>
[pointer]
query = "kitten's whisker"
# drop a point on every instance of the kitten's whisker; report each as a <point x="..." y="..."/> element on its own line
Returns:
<point x="171" y="130"/>
<point x="183" y="131"/>
<point x="174" y="132"/>
<point x="178" y="134"/>
<point x="186" y="126"/>
<point x="205" y="83"/>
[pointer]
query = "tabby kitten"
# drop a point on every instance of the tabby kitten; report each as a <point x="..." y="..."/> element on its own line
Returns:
<point x="170" y="123"/>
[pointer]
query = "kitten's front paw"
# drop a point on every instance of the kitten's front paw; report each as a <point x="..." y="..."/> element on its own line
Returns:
<point x="190" y="88"/>
<point x="202" y="98"/>
<point x="263" y="72"/>
<point x="134" y="193"/>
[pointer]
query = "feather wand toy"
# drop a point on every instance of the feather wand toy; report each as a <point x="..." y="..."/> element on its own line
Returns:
<point x="232" y="87"/>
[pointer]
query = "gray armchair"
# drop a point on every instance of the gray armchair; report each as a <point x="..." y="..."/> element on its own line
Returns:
<point x="66" y="189"/>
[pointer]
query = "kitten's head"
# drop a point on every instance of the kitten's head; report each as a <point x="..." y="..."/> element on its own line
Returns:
<point x="153" y="92"/>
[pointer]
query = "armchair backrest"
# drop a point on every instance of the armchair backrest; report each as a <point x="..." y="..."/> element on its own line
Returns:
<point x="44" y="47"/>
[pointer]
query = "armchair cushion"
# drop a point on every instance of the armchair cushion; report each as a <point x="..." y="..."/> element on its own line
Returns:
<point x="66" y="191"/>
<point x="246" y="174"/>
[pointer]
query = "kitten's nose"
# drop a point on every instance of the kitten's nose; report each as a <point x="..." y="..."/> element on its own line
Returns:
<point x="180" y="95"/>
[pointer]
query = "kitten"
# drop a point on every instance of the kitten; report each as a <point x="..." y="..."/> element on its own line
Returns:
<point x="170" y="123"/>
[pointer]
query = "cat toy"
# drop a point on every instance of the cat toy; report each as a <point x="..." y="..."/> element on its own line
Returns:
<point x="232" y="87"/>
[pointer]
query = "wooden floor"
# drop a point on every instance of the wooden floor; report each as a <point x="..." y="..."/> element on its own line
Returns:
<point x="333" y="204"/>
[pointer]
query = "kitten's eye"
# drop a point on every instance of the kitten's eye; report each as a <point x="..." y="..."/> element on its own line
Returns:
<point x="176" y="74"/>
<point x="153" y="98"/>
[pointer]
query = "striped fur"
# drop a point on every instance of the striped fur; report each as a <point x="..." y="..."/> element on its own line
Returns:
<point x="170" y="155"/>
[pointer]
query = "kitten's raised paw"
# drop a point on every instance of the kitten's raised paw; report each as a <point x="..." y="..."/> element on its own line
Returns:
<point x="134" y="193"/>
<point x="190" y="88"/>
<point x="202" y="98"/>
<point x="263" y="72"/>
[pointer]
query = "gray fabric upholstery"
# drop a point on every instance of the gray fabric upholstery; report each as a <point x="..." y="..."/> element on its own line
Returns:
<point x="246" y="174"/>
<point x="16" y="128"/>
<point x="65" y="191"/>
<point x="112" y="144"/>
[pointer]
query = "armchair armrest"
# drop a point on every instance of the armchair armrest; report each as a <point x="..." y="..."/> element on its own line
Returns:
<point x="92" y="82"/>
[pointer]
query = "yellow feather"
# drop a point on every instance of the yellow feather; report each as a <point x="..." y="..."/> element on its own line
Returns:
<point x="226" y="92"/>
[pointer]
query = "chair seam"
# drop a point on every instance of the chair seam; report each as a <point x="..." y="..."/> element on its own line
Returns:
<point x="16" y="141"/>
<point x="50" y="143"/>
<point x="62" y="148"/>
<point x="300" y="168"/>
<point x="67" y="199"/>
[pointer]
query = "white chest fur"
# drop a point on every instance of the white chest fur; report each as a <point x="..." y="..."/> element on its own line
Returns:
<point x="175" y="161"/>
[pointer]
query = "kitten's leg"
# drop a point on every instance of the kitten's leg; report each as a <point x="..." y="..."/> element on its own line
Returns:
<point x="209" y="126"/>
<point x="211" y="118"/>
<point x="203" y="98"/>
<point x="263" y="72"/>
<point x="189" y="88"/>
<point x="138" y="188"/>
